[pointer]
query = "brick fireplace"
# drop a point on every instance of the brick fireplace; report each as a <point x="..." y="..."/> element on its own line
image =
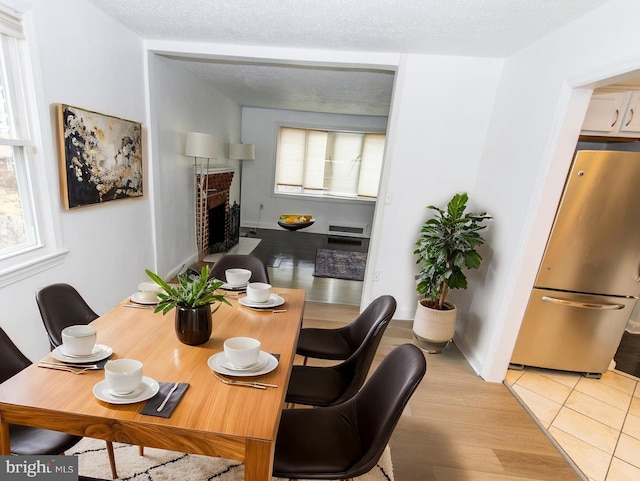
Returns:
<point x="217" y="223"/>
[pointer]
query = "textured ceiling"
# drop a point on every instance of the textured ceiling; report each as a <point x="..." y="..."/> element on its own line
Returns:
<point x="491" y="28"/>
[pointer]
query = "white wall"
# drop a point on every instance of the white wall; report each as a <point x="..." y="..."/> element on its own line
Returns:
<point x="181" y="103"/>
<point x="260" y="127"/>
<point x="437" y="129"/>
<point x="90" y="61"/>
<point x="538" y="114"/>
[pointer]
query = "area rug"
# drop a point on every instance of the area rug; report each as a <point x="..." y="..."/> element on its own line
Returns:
<point x="161" y="465"/>
<point x="340" y="264"/>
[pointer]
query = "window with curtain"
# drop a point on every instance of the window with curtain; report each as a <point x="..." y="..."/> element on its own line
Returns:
<point x="328" y="163"/>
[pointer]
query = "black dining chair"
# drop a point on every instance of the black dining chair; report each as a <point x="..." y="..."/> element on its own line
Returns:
<point x="325" y="386"/>
<point x="338" y="344"/>
<point x="346" y="440"/>
<point x="259" y="272"/>
<point x="26" y="440"/>
<point x="62" y="306"/>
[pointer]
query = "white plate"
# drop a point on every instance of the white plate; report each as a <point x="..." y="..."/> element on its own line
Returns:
<point x="274" y="301"/>
<point x="147" y="390"/>
<point x="259" y="364"/>
<point x="216" y="362"/>
<point x="135" y="297"/>
<point x="100" y="352"/>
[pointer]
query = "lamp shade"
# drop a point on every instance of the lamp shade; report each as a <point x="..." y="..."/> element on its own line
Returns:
<point x="201" y="145"/>
<point x="242" y="151"/>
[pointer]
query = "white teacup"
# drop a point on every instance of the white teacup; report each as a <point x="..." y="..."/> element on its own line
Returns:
<point x="241" y="352"/>
<point x="258" y="292"/>
<point x="123" y="376"/>
<point x="147" y="296"/>
<point x="149" y="287"/>
<point x="79" y="340"/>
<point x="237" y="277"/>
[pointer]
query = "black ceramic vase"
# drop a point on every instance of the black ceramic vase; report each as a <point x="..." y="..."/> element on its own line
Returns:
<point x="193" y="325"/>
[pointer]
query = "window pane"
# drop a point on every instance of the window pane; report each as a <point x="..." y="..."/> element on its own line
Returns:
<point x="372" y="154"/>
<point x="343" y="169"/>
<point x="290" y="158"/>
<point x="5" y="124"/>
<point x="14" y="233"/>
<point x="316" y="154"/>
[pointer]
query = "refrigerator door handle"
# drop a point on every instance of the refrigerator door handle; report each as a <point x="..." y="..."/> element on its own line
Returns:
<point x="583" y="305"/>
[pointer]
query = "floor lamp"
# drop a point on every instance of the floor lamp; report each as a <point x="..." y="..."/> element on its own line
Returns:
<point x="201" y="146"/>
<point x="242" y="152"/>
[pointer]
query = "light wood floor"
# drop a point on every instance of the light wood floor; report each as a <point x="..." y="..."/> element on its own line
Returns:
<point x="457" y="426"/>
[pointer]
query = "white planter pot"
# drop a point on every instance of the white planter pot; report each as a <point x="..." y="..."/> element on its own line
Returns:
<point x="434" y="326"/>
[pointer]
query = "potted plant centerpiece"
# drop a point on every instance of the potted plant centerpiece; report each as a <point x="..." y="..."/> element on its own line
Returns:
<point x="446" y="247"/>
<point x="192" y="298"/>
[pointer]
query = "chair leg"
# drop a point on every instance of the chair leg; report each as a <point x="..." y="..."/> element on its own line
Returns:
<point x="112" y="460"/>
<point x="141" y="450"/>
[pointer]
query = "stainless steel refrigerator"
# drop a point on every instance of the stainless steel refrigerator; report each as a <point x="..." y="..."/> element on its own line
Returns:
<point x="589" y="278"/>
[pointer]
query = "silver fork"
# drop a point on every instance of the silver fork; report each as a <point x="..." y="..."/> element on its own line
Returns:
<point x="65" y="368"/>
<point x="257" y="385"/>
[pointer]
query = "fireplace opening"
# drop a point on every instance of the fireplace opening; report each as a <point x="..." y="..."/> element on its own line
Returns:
<point x="224" y="227"/>
<point x="217" y="228"/>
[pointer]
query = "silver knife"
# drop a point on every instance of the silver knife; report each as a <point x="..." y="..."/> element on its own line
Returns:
<point x="161" y="407"/>
<point x="68" y="364"/>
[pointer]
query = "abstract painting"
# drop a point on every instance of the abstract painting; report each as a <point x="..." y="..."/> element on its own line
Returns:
<point x="100" y="157"/>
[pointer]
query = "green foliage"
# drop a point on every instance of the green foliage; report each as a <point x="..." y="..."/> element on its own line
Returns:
<point x="446" y="247"/>
<point x="191" y="291"/>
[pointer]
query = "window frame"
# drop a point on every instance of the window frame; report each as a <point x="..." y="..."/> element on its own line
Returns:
<point x="325" y="197"/>
<point x="38" y="166"/>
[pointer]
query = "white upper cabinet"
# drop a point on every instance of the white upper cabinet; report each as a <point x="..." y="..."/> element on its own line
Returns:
<point x="614" y="114"/>
<point x="631" y="120"/>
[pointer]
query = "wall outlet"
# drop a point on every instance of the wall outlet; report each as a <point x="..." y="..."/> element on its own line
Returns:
<point x="261" y="206"/>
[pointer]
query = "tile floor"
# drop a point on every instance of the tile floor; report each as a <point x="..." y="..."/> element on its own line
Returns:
<point x="595" y="421"/>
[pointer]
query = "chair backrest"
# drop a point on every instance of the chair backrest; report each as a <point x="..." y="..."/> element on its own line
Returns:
<point x="356" y="367"/>
<point x="12" y="361"/>
<point x="61" y="306"/>
<point x="377" y="407"/>
<point x="360" y="327"/>
<point x="258" y="269"/>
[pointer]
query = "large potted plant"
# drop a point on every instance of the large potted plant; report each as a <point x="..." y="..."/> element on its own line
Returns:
<point x="446" y="247"/>
<point x="192" y="298"/>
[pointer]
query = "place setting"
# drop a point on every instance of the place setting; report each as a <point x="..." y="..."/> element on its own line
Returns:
<point x="79" y="351"/>
<point x="124" y="383"/>
<point x="242" y="357"/>
<point x="236" y="280"/>
<point x="146" y="296"/>
<point x="259" y="297"/>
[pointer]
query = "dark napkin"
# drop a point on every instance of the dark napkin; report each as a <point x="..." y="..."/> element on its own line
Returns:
<point x="154" y="403"/>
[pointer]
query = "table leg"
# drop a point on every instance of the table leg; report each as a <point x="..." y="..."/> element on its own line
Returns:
<point x="5" y="445"/>
<point x="258" y="462"/>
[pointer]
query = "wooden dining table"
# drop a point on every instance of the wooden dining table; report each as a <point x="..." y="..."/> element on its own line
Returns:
<point x="212" y="418"/>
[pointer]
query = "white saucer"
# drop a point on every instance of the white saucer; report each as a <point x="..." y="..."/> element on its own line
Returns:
<point x="135" y="298"/>
<point x="259" y="364"/>
<point x="100" y="352"/>
<point x="229" y="287"/>
<point x="274" y="301"/>
<point x="266" y="361"/>
<point x="147" y="390"/>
